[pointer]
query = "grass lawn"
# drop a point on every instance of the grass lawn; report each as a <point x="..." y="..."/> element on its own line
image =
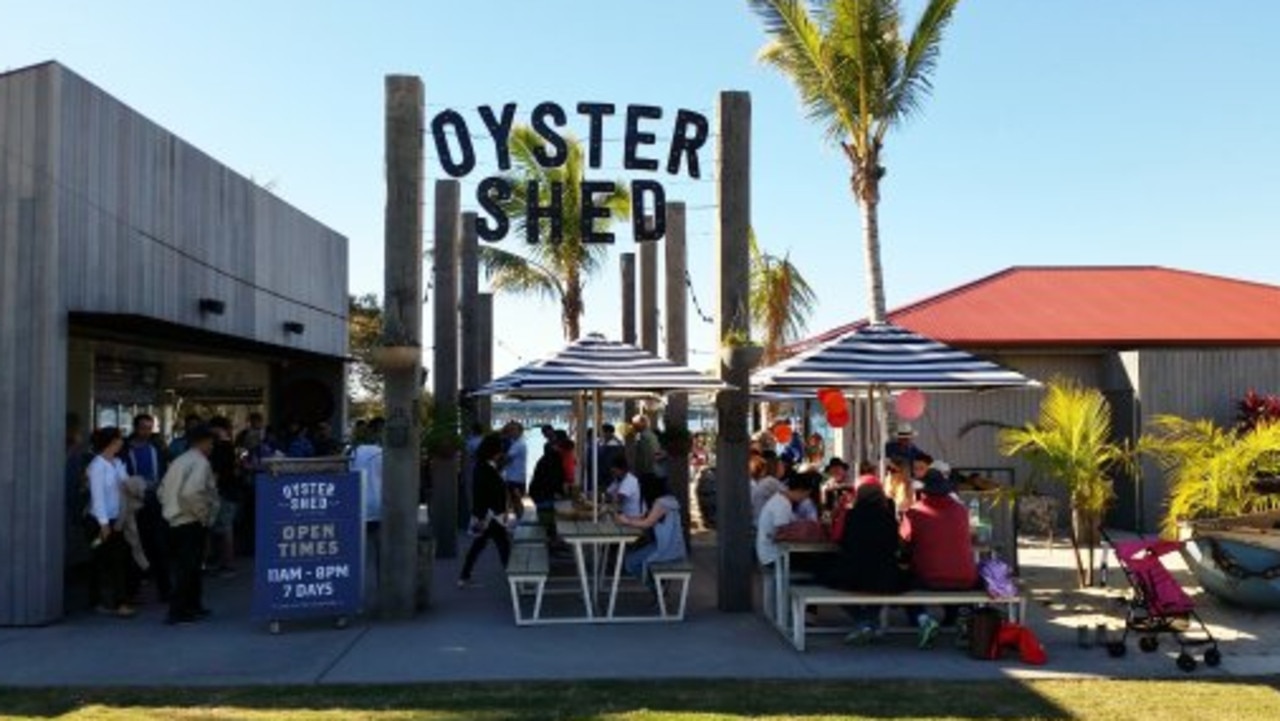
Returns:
<point x="691" y="700"/>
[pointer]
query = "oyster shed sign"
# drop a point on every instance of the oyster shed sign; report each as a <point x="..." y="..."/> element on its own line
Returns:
<point x="456" y="148"/>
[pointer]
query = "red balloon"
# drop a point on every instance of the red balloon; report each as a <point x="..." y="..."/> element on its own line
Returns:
<point x="825" y="396"/>
<point x="782" y="431"/>
<point x="838" y="418"/>
<point x="909" y="405"/>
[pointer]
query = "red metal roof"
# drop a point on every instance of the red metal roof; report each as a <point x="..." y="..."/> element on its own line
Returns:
<point x="1108" y="306"/>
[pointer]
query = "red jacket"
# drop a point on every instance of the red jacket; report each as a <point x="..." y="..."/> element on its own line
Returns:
<point x="936" y="529"/>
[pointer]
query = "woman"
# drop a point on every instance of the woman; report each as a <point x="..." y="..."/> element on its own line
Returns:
<point x="868" y="557"/>
<point x="816" y="449"/>
<point x="489" y="495"/>
<point x="664" y="520"/>
<point x="547" y="486"/>
<point x="899" y="487"/>
<point x="110" y="551"/>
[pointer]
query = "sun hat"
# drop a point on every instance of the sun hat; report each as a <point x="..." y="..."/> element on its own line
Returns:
<point x="905" y="430"/>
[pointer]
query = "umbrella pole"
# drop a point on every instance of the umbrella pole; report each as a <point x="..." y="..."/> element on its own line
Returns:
<point x="882" y="421"/>
<point x="595" y="456"/>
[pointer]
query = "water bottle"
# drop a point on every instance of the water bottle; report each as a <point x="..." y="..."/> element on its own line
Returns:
<point x="1102" y="571"/>
<point x="975" y="513"/>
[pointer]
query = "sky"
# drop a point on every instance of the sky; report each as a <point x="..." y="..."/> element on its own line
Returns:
<point x="1082" y="132"/>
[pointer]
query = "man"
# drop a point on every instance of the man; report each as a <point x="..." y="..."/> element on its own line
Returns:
<point x="366" y="459"/>
<point x="778" y="512"/>
<point x="178" y="445"/>
<point x="516" y="468"/>
<point x="838" y="481"/>
<point x="143" y="458"/>
<point x="903" y="446"/>
<point x="609" y="446"/>
<point x="325" y="444"/>
<point x="936" y="532"/>
<point x="625" y="489"/>
<point x="189" y="497"/>
<point x="647" y="448"/>
<point x="226" y="473"/>
<point x="257" y="429"/>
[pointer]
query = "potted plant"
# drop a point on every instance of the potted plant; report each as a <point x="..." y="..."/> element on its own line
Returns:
<point x="738" y="351"/>
<point x="1070" y="443"/>
<point x="442" y="432"/>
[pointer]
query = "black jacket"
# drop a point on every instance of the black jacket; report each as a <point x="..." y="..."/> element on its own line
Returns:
<point x="548" y="478"/>
<point x="488" y="492"/>
<point x="868" y="557"/>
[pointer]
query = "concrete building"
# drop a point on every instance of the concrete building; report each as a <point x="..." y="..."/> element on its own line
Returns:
<point x="1155" y="340"/>
<point x="138" y="274"/>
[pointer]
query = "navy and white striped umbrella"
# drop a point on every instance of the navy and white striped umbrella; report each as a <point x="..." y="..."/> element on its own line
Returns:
<point x="886" y="355"/>
<point x="594" y="363"/>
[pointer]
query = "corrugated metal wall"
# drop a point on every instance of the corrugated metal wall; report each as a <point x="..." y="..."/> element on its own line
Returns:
<point x="33" y="354"/>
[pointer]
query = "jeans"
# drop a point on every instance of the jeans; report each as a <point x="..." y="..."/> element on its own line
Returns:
<point x="496" y="532"/>
<point x="187" y="544"/>
<point x="111" y="561"/>
<point x="633" y="563"/>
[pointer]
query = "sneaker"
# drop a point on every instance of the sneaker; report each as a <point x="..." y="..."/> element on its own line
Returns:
<point x="928" y="632"/>
<point x="861" y="636"/>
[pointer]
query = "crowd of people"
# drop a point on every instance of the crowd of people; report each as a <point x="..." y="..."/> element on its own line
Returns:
<point x="904" y="530"/>
<point x="166" y="513"/>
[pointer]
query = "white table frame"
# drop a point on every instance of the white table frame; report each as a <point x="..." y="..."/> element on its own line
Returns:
<point x="607" y="535"/>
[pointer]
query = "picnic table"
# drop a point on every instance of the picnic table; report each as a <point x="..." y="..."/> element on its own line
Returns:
<point x="603" y="537"/>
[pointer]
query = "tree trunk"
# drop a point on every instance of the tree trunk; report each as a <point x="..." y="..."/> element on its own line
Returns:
<point x="1085" y="536"/>
<point x="571" y="310"/>
<point x="869" y="202"/>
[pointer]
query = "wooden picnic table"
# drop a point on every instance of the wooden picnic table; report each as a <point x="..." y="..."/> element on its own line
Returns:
<point x="601" y="536"/>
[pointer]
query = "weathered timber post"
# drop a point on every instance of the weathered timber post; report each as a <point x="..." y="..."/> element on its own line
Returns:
<point x="444" y="373"/>
<point x="677" y="301"/>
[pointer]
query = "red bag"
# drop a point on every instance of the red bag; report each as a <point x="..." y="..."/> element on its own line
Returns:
<point x="1029" y="647"/>
<point x="801" y="532"/>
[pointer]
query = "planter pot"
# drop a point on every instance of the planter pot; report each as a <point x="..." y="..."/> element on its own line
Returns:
<point x="1038" y="515"/>
<point x="741" y="356"/>
<point x="396" y="357"/>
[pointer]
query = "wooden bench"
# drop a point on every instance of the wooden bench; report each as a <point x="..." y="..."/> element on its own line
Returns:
<point x="528" y="564"/>
<point x="681" y="571"/>
<point x="530" y="534"/>
<point x="804" y="597"/>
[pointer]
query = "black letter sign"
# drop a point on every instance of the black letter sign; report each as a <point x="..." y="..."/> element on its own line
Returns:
<point x="541" y="114"/>
<point x="491" y="194"/>
<point x="455" y="169"/>
<point x="592" y="212"/>
<point x="642" y="230"/>
<point x="595" y="136"/>
<point x="500" y="131"/>
<point x="552" y="212"/>
<point x="635" y="138"/>
<point x="683" y="144"/>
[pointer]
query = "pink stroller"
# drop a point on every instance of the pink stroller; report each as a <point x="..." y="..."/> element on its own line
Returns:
<point x="1158" y="604"/>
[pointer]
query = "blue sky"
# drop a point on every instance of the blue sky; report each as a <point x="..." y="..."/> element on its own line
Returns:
<point x="1081" y="132"/>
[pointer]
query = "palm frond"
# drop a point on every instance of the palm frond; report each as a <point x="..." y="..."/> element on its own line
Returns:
<point x="919" y="62"/>
<point x="799" y="49"/>
<point x="508" y="272"/>
<point x="781" y="299"/>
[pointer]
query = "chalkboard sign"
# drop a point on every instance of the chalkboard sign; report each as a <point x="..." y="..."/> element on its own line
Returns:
<point x="310" y="545"/>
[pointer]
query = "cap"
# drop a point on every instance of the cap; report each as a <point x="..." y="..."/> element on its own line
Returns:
<point x="936" y="484"/>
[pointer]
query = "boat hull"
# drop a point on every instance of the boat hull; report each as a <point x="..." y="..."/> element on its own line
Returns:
<point x="1224" y="556"/>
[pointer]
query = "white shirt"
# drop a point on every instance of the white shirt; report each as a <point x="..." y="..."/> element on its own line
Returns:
<point x="628" y="493"/>
<point x="516" y="469"/>
<point x="761" y="491"/>
<point x="105" y="477"/>
<point x="775" y="514"/>
<point x="368" y="460"/>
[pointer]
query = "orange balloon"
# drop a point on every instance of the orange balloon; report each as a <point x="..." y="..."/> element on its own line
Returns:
<point x="782" y="432"/>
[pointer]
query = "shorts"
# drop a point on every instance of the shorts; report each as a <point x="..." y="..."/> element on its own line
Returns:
<point x="226" y="517"/>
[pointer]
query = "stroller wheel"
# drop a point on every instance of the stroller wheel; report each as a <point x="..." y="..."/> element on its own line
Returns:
<point x="1117" y="649"/>
<point x="1186" y="662"/>
<point x="1148" y="644"/>
<point x="1212" y="657"/>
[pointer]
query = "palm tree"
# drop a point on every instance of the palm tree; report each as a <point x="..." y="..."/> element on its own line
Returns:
<point x="554" y="270"/>
<point x="781" y="300"/>
<point x="1070" y="443"/>
<point x="859" y="76"/>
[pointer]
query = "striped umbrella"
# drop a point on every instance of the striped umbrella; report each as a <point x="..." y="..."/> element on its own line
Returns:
<point x="886" y="356"/>
<point x="596" y="364"/>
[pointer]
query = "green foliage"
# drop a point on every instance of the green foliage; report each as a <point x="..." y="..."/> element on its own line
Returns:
<point x="736" y="339"/>
<point x="364" y="330"/>
<point x="554" y="271"/>
<point x="442" y="428"/>
<point x="1210" y="469"/>
<point x="1070" y="443"/>
<point x="781" y="300"/>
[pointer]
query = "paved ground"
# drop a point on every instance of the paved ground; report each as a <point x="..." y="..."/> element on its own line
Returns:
<point x="468" y="635"/>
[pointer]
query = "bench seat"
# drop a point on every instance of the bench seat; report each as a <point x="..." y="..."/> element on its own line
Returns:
<point x="529" y="534"/>
<point x="805" y="597"/>
<point x="678" y="571"/>
<point x="528" y="564"/>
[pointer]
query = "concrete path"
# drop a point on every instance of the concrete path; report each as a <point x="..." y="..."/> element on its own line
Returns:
<point x="469" y="636"/>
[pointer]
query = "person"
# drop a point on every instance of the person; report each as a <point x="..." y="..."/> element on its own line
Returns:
<point x="764" y="441"/>
<point x="298" y="445"/>
<point x="359" y="434"/>
<point x="806" y="509"/>
<point x="514" y="470"/>
<point x="903" y="445"/>
<point x="609" y="446"/>
<point x="935" y="531"/>
<point x="837" y="482"/>
<point x="547" y="486"/>
<point x="898" y="486"/>
<point x="110" y="552"/>
<point x="763" y="484"/>
<point x="778" y="512"/>
<point x="325" y="445"/>
<point x="815" y="449"/>
<point x="366" y="460"/>
<point x="490" y="504"/>
<point x="226" y="473"/>
<point x="178" y="445"/>
<point x="189" y="496"/>
<point x="868" y="557"/>
<point x="475" y="434"/>
<point x="568" y="457"/>
<point x="646" y="449"/>
<point x="663" y="518"/>
<point x="143" y="459"/>
<point x="625" y="489"/>
<point x="257" y="427"/>
<point x="793" y="450"/>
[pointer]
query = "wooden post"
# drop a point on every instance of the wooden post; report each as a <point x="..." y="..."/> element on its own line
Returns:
<point x="677" y="301"/>
<point x="649" y="295"/>
<point x="484" y="356"/>
<point x="402" y="328"/>
<point x="469" y="342"/>
<point x="733" y="222"/>
<point x="444" y="373"/>
<point x="627" y="262"/>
